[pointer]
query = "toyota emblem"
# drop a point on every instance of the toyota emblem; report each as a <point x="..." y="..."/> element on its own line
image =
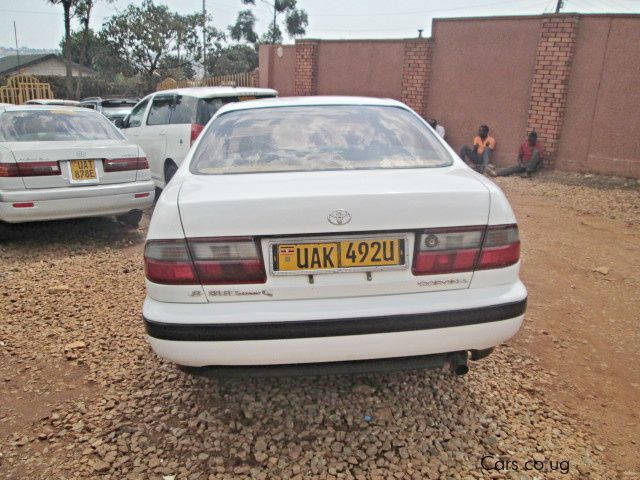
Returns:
<point x="339" y="217"/>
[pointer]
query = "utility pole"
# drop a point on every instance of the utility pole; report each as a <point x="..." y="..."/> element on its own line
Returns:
<point x="559" y="6"/>
<point x="273" y="36"/>
<point x="15" y="34"/>
<point x="204" y="39"/>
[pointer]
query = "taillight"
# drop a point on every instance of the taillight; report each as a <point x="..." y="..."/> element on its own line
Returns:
<point x="222" y="261"/>
<point x="9" y="170"/>
<point x="447" y="250"/>
<point x="29" y="169"/>
<point x="196" y="129"/>
<point x="124" y="164"/>
<point x="452" y="250"/>
<point x="169" y="262"/>
<point x="501" y="247"/>
<point x="210" y="261"/>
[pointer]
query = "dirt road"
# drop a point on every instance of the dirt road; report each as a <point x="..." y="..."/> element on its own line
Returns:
<point x="82" y="396"/>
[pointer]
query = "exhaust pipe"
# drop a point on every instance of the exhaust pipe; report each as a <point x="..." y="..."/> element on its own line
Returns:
<point x="458" y="363"/>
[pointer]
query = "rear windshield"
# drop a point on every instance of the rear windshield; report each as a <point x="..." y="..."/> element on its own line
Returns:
<point x="55" y="125"/>
<point x="207" y="107"/>
<point x="327" y="137"/>
<point x="119" y="103"/>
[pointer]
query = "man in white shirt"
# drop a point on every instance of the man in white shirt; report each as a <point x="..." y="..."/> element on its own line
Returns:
<point x="438" y="128"/>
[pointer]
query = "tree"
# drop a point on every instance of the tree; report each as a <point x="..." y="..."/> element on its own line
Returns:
<point x="67" y="6"/>
<point x="83" y="12"/>
<point x="173" y="66"/>
<point x="232" y="59"/>
<point x="144" y="34"/>
<point x="296" y="22"/>
<point x="99" y="54"/>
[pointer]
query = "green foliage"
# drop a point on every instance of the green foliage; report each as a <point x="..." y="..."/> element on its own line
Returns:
<point x="244" y="28"/>
<point x="96" y="87"/>
<point x="295" y="22"/>
<point x="176" y="68"/>
<point x="100" y="55"/>
<point x="232" y="59"/>
<point x="144" y="34"/>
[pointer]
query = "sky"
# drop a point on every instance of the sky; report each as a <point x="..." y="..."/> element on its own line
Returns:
<point x="40" y="24"/>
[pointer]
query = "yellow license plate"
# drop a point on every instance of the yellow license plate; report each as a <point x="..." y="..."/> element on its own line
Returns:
<point x="343" y="254"/>
<point x="83" y="170"/>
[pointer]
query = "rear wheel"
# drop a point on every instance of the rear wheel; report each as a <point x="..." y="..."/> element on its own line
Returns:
<point x="131" y="219"/>
<point x="170" y="170"/>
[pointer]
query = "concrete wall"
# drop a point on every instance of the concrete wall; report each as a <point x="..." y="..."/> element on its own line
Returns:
<point x="573" y="78"/>
<point x="602" y="120"/>
<point x="277" y="68"/>
<point x="481" y="73"/>
<point x="370" y="68"/>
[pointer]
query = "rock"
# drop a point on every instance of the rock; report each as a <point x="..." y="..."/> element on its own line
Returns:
<point x="602" y="270"/>
<point x="74" y="345"/>
<point x="100" y="466"/>
<point x="58" y="289"/>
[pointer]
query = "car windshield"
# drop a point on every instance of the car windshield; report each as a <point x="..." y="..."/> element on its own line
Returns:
<point x="312" y="138"/>
<point x="55" y="125"/>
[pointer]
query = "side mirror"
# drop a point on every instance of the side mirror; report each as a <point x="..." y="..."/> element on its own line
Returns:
<point x="119" y="122"/>
<point x="124" y="123"/>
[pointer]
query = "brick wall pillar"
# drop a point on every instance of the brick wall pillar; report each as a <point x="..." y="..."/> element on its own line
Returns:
<point x="416" y="68"/>
<point x="550" y="85"/>
<point x="305" y="81"/>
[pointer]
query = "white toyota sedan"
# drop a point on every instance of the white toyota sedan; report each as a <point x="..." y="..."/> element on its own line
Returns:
<point x="64" y="162"/>
<point x="329" y="234"/>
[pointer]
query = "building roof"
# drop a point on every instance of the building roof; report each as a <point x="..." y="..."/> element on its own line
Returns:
<point x="9" y="64"/>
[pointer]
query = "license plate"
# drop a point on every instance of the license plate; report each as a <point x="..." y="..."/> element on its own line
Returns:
<point x="83" y="170"/>
<point x="366" y="253"/>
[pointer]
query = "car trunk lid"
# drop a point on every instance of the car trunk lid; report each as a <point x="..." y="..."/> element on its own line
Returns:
<point x="290" y="208"/>
<point x="80" y="163"/>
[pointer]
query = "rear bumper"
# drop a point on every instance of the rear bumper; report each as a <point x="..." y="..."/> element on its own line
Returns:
<point x="74" y="202"/>
<point x="192" y="340"/>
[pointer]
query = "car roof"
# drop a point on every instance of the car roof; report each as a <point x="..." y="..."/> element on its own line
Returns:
<point x="212" y="92"/>
<point x="311" y="101"/>
<point x="50" y="101"/>
<point x="30" y="108"/>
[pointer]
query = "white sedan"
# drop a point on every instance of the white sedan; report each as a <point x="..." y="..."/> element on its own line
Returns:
<point x="329" y="234"/>
<point x="64" y="162"/>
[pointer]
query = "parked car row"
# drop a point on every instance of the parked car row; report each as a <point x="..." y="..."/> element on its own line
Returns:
<point x="316" y="233"/>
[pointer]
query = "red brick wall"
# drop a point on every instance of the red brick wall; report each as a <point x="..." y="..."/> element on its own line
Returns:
<point x="572" y="78"/>
<point x="306" y="73"/>
<point x="416" y="67"/>
<point x="550" y="85"/>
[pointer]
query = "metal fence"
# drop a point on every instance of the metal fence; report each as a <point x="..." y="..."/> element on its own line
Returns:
<point x="21" y="88"/>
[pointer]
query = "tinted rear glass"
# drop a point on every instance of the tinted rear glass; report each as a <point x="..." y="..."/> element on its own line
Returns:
<point x="160" y="110"/>
<point x="207" y="107"/>
<point x="55" y="125"/>
<point x="119" y="103"/>
<point x="328" y="137"/>
<point x="184" y="110"/>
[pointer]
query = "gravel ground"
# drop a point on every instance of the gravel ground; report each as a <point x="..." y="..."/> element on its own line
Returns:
<point x="84" y="397"/>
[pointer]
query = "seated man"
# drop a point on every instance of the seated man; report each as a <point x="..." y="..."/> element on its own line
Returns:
<point x="480" y="154"/>
<point x="529" y="159"/>
<point x="437" y="127"/>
